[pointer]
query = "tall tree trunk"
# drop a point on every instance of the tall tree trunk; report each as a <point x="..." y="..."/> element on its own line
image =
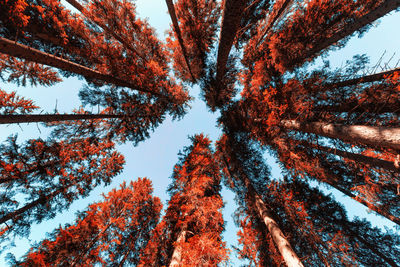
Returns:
<point x="384" y="164"/>
<point x="41" y="200"/>
<point x="367" y="204"/>
<point x="386" y="7"/>
<point x="274" y="16"/>
<point x="231" y="18"/>
<point x="176" y="258"/>
<point x="82" y="9"/>
<point x="283" y="245"/>
<point x="355" y="107"/>
<point x="8" y="119"/>
<point x="177" y="30"/>
<point x="15" y="49"/>
<point x="358" y="134"/>
<point x="363" y="79"/>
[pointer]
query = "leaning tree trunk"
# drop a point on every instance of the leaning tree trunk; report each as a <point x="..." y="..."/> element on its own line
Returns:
<point x="177" y="30"/>
<point x="231" y="18"/>
<point x="81" y="8"/>
<point x="283" y="245"/>
<point x="356" y="134"/>
<point x="332" y="179"/>
<point x="9" y="119"/>
<point x="355" y="107"/>
<point x="386" y="7"/>
<point x="363" y="79"/>
<point x="15" y="49"/>
<point x="359" y="158"/>
<point x="176" y="258"/>
<point x="367" y="204"/>
<point x="41" y="200"/>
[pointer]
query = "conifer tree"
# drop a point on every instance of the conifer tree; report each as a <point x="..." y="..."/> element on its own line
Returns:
<point x="195" y="36"/>
<point x="42" y="177"/>
<point x="111" y="232"/>
<point x="190" y="232"/>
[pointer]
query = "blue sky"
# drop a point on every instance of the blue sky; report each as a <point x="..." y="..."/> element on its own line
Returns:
<point x="155" y="157"/>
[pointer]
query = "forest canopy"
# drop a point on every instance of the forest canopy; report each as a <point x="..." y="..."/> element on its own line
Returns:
<point x="262" y="68"/>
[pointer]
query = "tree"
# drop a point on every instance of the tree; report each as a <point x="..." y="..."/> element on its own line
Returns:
<point x="322" y="222"/>
<point x="42" y="177"/>
<point x="243" y="164"/>
<point x="301" y="39"/>
<point x="195" y="35"/>
<point x="110" y="232"/>
<point x="190" y="232"/>
<point x="144" y="90"/>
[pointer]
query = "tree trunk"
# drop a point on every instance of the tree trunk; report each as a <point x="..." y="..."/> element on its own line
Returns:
<point x="275" y="15"/>
<point x="28" y="53"/>
<point x="364" y="79"/>
<point x="41" y="200"/>
<point x="79" y="7"/>
<point x="8" y="119"/>
<point x="283" y="245"/>
<point x="231" y="18"/>
<point x="375" y="162"/>
<point x="176" y="258"/>
<point x="355" y="107"/>
<point x="386" y="7"/>
<point x="365" y="135"/>
<point x="363" y="202"/>
<point x="177" y="30"/>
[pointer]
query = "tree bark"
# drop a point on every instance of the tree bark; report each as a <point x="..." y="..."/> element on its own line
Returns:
<point x="176" y="258"/>
<point x="15" y="49"/>
<point x="8" y="119"/>
<point x="177" y="30"/>
<point x="283" y="245"/>
<point x="366" y="135"/>
<point x="384" y="164"/>
<point x="231" y="17"/>
<point x="364" y="79"/>
<point x="355" y="107"/>
<point x="79" y="7"/>
<point x="386" y="7"/>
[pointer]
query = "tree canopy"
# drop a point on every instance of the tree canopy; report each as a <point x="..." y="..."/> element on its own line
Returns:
<point x="262" y="68"/>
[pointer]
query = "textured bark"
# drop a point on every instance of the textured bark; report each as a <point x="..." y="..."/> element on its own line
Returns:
<point x="355" y="107"/>
<point x="231" y="17"/>
<point x="78" y="6"/>
<point x="384" y="164"/>
<point x="8" y="119"/>
<point x="275" y="16"/>
<point x="177" y="254"/>
<point x="283" y="245"/>
<point x="386" y="7"/>
<point x="177" y="30"/>
<point x="25" y="52"/>
<point x="366" y="135"/>
<point x="364" y="79"/>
